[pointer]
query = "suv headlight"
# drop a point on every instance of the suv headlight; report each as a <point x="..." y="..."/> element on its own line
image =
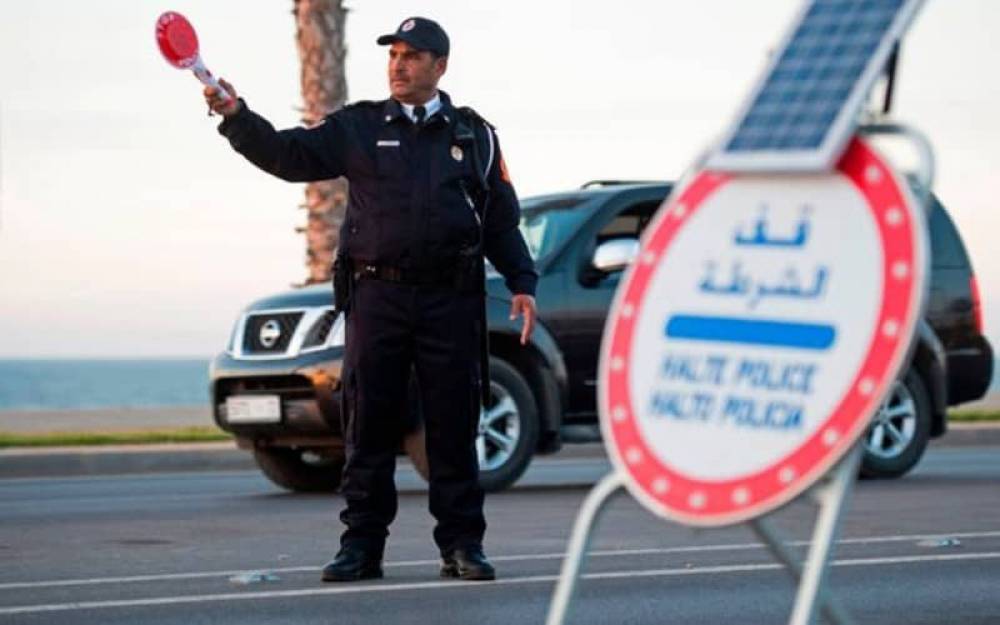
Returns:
<point x="338" y="331"/>
<point x="326" y="330"/>
<point x="231" y="343"/>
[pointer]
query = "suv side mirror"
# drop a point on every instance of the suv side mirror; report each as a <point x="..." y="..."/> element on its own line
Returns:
<point x="615" y="255"/>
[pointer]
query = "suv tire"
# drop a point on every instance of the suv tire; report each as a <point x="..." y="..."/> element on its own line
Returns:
<point x="899" y="432"/>
<point x="301" y="470"/>
<point x="508" y="428"/>
<point x="508" y="431"/>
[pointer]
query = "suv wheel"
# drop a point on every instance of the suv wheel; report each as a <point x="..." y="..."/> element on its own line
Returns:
<point x="508" y="431"/>
<point x="301" y="470"/>
<point x="899" y="432"/>
<point x="508" y="428"/>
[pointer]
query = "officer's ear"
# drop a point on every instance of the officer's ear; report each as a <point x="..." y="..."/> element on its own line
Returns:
<point x="440" y="65"/>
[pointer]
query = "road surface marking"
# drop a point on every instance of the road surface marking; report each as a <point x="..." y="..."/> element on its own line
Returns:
<point x="340" y="590"/>
<point x="511" y="558"/>
<point x="533" y="579"/>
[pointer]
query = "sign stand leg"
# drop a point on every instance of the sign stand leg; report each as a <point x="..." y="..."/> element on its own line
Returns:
<point x="579" y="541"/>
<point x="832" y="609"/>
<point x="832" y="498"/>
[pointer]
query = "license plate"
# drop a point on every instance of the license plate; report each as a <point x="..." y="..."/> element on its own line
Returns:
<point x="255" y="409"/>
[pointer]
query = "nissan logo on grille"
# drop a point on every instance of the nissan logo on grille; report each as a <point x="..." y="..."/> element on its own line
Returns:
<point x="270" y="332"/>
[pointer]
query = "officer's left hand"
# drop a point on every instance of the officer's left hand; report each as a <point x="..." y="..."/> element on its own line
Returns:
<point x="524" y="305"/>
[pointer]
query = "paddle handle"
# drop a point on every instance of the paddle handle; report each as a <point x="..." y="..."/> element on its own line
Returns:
<point x="206" y="78"/>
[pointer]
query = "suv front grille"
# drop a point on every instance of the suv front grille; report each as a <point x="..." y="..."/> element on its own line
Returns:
<point x="269" y="333"/>
<point x="287" y="386"/>
<point x="285" y="333"/>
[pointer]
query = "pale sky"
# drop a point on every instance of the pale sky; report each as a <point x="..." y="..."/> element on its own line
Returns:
<point x="129" y="228"/>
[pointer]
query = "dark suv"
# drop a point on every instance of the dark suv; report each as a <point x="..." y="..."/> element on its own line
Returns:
<point x="276" y="387"/>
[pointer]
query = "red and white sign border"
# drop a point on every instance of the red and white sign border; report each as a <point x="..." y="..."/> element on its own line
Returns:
<point x="678" y="497"/>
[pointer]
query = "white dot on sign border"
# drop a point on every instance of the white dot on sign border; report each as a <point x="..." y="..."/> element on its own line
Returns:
<point x="786" y="475"/>
<point x="648" y="258"/>
<point x="894" y="216"/>
<point x="633" y="455"/>
<point x="628" y="310"/>
<point x="697" y="500"/>
<point x="900" y="270"/>
<point x="867" y="386"/>
<point x="680" y="210"/>
<point x="741" y="496"/>
<point x="890" y="328"/>
<point x="661" y="485"/>
<point x="873" y="175"/>
<point x="619" y="413"/>
<point x="830" y="437"/>
<point x="617" y="363"/>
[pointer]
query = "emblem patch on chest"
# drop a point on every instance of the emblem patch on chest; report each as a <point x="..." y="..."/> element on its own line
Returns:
<point x="456" y="153"/>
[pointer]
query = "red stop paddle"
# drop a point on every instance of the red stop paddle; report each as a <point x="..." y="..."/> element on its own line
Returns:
<point x="179" y="45"/>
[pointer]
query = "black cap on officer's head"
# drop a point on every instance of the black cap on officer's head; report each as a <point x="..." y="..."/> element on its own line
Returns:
<point x="421" y="33"/>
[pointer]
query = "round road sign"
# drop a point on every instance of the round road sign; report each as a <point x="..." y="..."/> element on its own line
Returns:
<point x="756" y="333"/>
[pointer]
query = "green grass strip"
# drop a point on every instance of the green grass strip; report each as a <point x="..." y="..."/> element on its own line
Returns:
<point x="130" y="437"/>
<point x="968" y="416"/>
<point x="203" y="434"/>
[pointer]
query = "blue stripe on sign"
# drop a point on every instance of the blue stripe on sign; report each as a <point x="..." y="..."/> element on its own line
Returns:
<point x="751" y="331"/>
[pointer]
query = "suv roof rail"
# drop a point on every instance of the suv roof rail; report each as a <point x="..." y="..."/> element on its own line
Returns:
<point x="611" y="183"/>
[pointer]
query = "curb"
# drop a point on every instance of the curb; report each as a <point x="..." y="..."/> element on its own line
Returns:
<point x="225" y="456"/>
<point x="969" y="435"/>
<point x="124" y="459"/>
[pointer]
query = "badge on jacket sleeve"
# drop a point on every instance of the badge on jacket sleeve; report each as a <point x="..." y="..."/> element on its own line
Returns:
<point x="504" y="174"/>
<point x="456" y="153"/>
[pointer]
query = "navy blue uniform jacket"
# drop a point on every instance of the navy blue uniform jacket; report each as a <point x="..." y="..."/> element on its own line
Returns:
<point x="411" y="189"/>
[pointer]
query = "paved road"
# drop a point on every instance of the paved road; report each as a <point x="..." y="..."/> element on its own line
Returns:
<point x="166" y="548"/>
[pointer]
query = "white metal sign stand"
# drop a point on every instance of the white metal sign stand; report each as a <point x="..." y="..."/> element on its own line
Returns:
<point x="831" y="496"/>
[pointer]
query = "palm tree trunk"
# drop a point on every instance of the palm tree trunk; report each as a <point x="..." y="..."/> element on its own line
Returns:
<point x="320" y="39"/>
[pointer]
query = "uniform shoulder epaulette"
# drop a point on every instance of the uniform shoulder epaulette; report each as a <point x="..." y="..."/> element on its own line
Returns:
<point x="471" y="113"/>
<point x="365" y="104"/>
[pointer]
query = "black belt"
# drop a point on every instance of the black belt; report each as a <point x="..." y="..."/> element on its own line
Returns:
<point x="405" y="275"/>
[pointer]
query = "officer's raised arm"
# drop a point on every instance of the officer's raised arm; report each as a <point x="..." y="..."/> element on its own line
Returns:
<point x="295" y="155"/>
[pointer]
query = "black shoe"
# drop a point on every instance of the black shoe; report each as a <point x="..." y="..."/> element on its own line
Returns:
<point x="352" y="564"/>
<point x="467" y="563"/>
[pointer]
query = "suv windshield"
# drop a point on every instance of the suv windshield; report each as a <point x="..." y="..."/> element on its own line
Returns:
<point x="546" y="222"/>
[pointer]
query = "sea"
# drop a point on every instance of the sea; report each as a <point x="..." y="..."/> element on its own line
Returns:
<point x="88" y="384"/>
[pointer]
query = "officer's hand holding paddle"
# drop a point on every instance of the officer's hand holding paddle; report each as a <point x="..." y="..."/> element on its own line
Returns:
<point x="219" y="104"/>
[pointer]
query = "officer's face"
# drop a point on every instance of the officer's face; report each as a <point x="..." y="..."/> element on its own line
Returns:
<point x="414" y="74"/>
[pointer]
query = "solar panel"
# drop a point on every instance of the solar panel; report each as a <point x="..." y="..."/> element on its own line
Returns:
<point x="804" y="109"/>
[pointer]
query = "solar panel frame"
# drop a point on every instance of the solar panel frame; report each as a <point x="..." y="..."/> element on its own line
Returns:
<point x="842" y="124"/>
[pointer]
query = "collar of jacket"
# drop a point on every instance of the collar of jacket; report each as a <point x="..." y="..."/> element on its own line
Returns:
<point x="392" y="112"/>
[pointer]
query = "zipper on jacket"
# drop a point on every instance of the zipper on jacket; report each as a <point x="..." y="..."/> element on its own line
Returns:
<point x="472" y="206"/>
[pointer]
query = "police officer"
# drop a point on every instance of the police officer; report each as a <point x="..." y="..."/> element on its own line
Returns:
<point x="429" y="195"/>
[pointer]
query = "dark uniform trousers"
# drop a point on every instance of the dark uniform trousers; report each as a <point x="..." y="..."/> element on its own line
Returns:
<point x="392" y="327"/>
